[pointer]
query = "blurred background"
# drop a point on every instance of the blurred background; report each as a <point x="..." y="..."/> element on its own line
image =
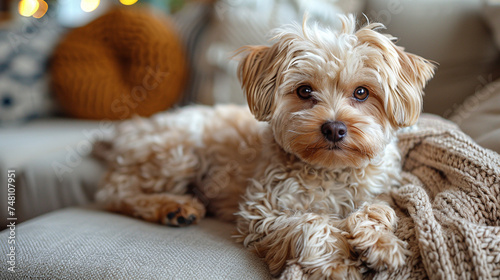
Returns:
<point x="89" y="59"/>
<point x="70" y="68"/>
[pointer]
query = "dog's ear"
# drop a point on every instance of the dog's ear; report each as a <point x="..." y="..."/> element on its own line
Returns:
<point x="404" y="77"/>
<point x="405" y="103"/>
<point x="259" y="74"/>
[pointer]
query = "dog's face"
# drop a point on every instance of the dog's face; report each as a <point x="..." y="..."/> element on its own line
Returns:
<point x="334" y="98"/>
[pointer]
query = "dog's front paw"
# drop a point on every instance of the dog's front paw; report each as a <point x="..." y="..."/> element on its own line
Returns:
<point x="372" y="237"/>
<point x="182" y="214"/>
<point x="292" y="272"/>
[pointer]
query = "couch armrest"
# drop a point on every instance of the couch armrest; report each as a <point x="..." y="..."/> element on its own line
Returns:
<point x="51" y="163"/>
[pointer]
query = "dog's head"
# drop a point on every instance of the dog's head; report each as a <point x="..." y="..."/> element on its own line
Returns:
<point x="334" y="98"/>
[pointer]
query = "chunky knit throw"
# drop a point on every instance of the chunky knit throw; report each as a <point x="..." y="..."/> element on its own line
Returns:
<point x="125" y="62"/>
<point x="448" y="206"/>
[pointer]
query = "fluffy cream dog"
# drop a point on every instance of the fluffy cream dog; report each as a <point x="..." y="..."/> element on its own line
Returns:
<point x="303" y="179"/>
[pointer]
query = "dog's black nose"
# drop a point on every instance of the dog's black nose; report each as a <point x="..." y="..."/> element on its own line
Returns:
<point x="334" y="131"/>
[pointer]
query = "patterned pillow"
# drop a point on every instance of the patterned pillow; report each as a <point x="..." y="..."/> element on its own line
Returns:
<point x="25" y="47"/>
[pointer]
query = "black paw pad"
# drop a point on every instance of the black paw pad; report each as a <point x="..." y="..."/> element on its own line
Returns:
<point x="178" y="219"/>
<point x="186" y="221"/>
<point x="172" y="215"/>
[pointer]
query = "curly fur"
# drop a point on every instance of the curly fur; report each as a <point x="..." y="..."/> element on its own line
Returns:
<point x="301" y="201"/>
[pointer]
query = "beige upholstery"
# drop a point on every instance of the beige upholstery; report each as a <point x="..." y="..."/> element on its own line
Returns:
<point x="452" y="33"/>
<point x="492" y="14"/>
<point x="78" y="243"/>
<point x="51" y="163"/>
<point x="479" y="116"/>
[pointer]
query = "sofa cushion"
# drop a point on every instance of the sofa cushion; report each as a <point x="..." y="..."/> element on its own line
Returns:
<point x="492" y="14"/>
<point x="479" y="116"/>
<point x="86" y="243"/>
<point x="452" y="33"/>
<point x="51" y="163"/>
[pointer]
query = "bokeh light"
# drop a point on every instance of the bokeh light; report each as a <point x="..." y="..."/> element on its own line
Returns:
<point x="128" y="2"/>
<point x="42" y="9"/>
<point x="28" y="7"/>
<point x="89" y="5"/>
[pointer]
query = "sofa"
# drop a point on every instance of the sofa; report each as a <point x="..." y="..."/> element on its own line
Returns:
<point x="60" y="233"/>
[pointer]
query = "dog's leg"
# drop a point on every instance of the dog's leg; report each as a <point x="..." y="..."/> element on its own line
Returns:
<point x="153" y="185"/>
<point x="151" y="165"/>
<point x="371" y="235"/>
<point x="140" y="191"/>
<point x="313" y="242"/>
<point x="165" y="208"/>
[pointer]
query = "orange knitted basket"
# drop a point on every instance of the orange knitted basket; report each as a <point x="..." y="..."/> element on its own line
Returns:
<point x="123" y="63"/>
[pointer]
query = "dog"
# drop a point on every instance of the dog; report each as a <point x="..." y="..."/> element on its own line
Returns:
<point x="301" y="169"/>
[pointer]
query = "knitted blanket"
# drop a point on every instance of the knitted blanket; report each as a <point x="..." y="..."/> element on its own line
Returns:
<point x="448" y="206"/>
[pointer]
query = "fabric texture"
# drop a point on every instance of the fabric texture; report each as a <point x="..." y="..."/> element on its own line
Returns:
<point x="448" y="207"/>
<point x="479" y="116"/>
<point x="126" y="62"/>
<point x="52" y="168"/>
<point x="80" y="243"/>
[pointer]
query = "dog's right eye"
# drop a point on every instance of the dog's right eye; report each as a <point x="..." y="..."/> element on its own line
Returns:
<point x="304" y="92"/>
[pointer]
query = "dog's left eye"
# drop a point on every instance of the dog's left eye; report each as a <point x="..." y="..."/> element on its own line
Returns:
<point x="304" y="92"/>
<point x="361" y="93"/>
